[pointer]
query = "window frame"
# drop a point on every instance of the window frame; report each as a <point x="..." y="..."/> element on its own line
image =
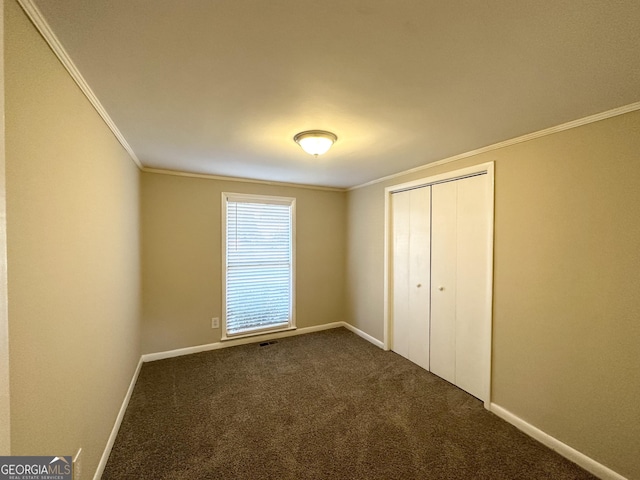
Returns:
<point x="266" y="199"/>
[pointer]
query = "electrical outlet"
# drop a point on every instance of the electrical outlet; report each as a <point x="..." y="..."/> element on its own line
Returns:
<point x="77" y="468"/>
<point x="215" y="322"/>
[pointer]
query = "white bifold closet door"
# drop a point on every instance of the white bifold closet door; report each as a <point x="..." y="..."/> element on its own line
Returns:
<point x="441" y="300"/>
<point x="412" y="261"/>
<point x="460" y="302"/>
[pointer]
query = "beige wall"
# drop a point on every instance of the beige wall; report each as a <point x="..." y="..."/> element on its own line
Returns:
<point x="5" y="419"/>
<point x="566" y="338"/>
<point x="73" y="257"/>
<point x="182" y="257"/>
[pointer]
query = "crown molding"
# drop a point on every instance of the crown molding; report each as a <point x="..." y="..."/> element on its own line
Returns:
<point x="179" y="173"/>
<point x="632" y="107"/>
<point x="43" y="27"/>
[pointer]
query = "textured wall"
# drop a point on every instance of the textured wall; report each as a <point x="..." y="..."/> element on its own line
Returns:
<point x="182" y="257"/>
<point x="566" y="283"/>
<point x="73" y="257"/>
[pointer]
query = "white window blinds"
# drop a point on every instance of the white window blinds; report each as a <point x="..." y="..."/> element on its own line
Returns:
<point x="259" y="263"/>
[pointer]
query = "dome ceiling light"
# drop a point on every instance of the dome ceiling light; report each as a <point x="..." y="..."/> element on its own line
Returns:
<point x="315" y="142"/>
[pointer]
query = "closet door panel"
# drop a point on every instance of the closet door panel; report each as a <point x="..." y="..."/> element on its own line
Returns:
<point x="472" y="305"/>
<point x="419" y="275"/>
<point x="400" y="214"/>
<point x="443" y="280"/>
<point x="411" y="227"/>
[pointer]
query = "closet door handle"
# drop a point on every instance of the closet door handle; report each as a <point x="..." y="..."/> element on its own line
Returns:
<point x="441" y="289"/>
<point x="419" y="285"/>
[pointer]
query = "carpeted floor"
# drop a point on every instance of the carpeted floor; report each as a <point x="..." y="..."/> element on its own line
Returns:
<point x="327" y="405"/>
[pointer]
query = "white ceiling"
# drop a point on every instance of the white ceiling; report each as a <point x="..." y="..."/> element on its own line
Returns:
<point x="221" y="87"/>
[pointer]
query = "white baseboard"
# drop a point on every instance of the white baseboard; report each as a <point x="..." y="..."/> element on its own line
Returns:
<point x="116" y="425"/>
<point x="563" y="449"/>
<point x="151" y="357"/>
<point x="362" y="334"/>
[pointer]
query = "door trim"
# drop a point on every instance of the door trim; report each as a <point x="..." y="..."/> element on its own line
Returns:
<point x="483" y="168"/>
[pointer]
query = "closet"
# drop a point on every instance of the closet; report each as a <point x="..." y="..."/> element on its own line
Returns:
<point x="441" y="236"/>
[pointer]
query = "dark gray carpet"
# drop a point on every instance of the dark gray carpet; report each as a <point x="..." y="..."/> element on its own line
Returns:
<point x="327" y="405"/>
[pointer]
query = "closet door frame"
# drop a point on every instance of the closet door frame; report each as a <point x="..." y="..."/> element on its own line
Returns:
<point x="481" y="169"/>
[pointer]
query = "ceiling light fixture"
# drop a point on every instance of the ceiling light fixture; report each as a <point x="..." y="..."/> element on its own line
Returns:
<point x="315" y="142"/>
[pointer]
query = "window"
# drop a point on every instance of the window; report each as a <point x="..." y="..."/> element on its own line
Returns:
<point x="259" y="253"/>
